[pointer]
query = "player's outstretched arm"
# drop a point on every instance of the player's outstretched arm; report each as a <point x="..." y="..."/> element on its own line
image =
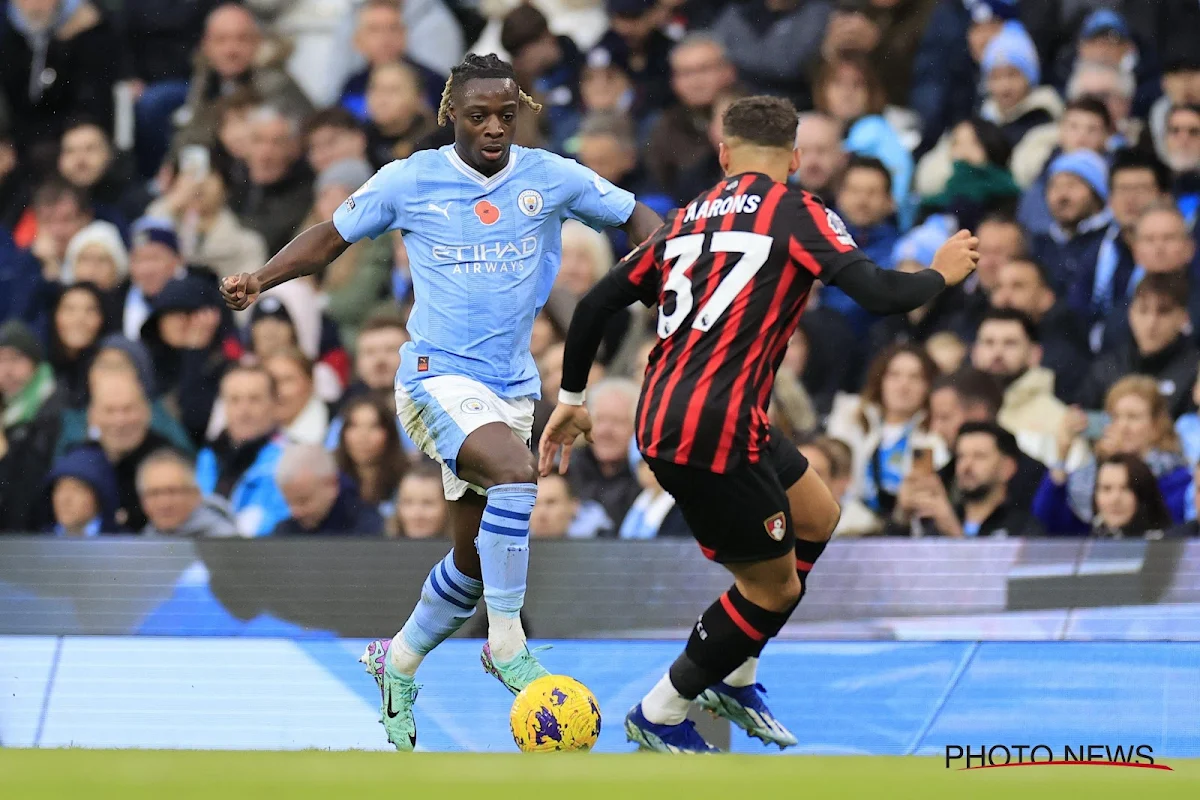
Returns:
<point x="885" y="291"/>
<point x="570" y="418"/>
<point x="642" y="223"/>
<point x="304" y="255"/>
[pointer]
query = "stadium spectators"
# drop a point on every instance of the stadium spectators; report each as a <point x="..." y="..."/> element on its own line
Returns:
<point x="83" y="495"/>
<point x="555" y="508"/>
<point x="278" y="192"/>
<point x="302" y="415"/>
<point x="381" y="37"/>
<point x="319" y="499"/>
<point x="154" y="261"/>
<point x="368" y="452"/>
<point x="1127" y="501"/>
<point x="601" y="471"/>
<point x="421" y="509"/>
<point x="174" y="506"/>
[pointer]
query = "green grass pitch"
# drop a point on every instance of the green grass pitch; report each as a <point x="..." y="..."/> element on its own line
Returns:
<point x="172" y="775"/>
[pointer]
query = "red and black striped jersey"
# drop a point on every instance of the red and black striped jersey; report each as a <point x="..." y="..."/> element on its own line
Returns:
<point x="730" y="274"/>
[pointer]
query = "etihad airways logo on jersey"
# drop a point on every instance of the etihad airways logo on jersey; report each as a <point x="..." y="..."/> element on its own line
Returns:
<point x="741" y="204"/>
<point x="490" y="257"/>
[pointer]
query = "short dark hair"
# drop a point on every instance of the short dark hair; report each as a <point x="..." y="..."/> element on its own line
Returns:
<point x="1012" y="315"/>
<point x="857" y="161"/>
<point x="1008" y="220"/>
<point x="332" y="117"/>
<point x="474" y="67"/>
<point x="974" y="387"/>
<point x="1129" y="158"/>
<point x="1090" y="104"/>
<point x="253" y="369"/>
<point x="76" y="123"/>
<point x="55" y="190"/>
<point x="522" y="26"/>
<point x="1043" y="274"/>
<point x="762" y="120"/>
<point x="1170" y="286"/>
<point x="1006" y="443"/>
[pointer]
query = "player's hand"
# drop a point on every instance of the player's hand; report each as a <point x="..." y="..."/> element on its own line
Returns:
<point x="565" y="426"/>
<point x="956" y="259"/>
<point x="240" y="291"/>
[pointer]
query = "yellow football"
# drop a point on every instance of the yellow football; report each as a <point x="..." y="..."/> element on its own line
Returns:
<point x="555" y="713"/>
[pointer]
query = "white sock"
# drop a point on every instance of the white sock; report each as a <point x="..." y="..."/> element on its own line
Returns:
<point x="663" y="705"/>
<point x="745" y="675"/>
<point x="402" y="658"/>
<point x="505" y="635"/>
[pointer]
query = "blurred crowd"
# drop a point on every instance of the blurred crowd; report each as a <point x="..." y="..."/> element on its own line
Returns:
<point x="149" y="148"/>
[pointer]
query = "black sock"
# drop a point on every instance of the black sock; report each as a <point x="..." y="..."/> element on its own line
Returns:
<point x="730" y="631"/>
<point x="807" y="554"/>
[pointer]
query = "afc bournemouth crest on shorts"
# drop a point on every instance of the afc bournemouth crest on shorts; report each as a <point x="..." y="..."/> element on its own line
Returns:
<point x="530" y="202"/>
<point x="422" y="363"/>
<point x="776" y="526"/>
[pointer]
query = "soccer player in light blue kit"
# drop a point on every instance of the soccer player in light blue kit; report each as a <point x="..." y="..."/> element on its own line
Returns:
<point x="481" y="221"/>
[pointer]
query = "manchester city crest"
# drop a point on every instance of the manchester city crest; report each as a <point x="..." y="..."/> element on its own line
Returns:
<point x="530" y="202"/>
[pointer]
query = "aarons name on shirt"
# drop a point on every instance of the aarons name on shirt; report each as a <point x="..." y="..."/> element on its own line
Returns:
<point x="741" y="204"/>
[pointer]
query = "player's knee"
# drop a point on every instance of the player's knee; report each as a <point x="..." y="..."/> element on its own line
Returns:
<point x="829" y="520"/>
<point x="776" y="592"/>
<point x="523" y="470"/>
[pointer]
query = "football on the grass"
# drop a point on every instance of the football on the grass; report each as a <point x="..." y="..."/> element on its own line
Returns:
<point x="555" y="713"/>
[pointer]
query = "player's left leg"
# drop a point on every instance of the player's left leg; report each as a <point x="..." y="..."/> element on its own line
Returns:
<point x="494" y="458"/>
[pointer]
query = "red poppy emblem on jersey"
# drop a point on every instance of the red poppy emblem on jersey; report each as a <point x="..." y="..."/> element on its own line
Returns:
<point x="487" y="213"/>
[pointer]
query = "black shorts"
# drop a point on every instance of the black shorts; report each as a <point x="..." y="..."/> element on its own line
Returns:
<point x="742" y="516"/>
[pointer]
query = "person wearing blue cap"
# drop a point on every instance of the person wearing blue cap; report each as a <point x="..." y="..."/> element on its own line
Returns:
<point x="1077" y="195"/>
<point x="1015" y="99"/>
<point x="154" y="259"/>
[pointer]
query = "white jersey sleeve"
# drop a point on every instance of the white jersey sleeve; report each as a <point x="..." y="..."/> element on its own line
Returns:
<point x="592" y="200"/>
<point x="378" y="206"/>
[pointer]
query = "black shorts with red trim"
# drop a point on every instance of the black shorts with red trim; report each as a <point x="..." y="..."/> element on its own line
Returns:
<point x="741" y="516"/>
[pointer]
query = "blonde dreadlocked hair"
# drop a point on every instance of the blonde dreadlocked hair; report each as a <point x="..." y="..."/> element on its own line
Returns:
<point x="475" y="66"/>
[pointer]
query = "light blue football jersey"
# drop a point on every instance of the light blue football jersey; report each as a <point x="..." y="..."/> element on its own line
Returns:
<point x="483" y="254"/>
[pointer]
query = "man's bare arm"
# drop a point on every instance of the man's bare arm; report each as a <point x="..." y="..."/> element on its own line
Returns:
<point x="641" y="223"/>
<point x="304" y="255"/>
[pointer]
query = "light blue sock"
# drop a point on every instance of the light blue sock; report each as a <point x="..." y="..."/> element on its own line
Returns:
<point x="504" y="546"/>
<point x="448" y="599"/>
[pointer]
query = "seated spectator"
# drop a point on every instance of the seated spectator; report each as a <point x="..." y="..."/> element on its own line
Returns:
<point x="1127" y="501"/>
<point x="56" y="62"/>
<point x="332" y="135"/>
<point x="302" y="416"/>
<point x="605" y="84"/>
<point x="980" y="182"/>
<point x="548" y="65"/>
<point x="421" y="508"/>
<point x="635" y="36"/>
<point x="833" y="462"/>
<point x="706" y="172"/>
<point x="376" y="360"/>
<point x="1024" y="286"/>
<point x="209" y="233"/>
<point x="115" y="353"/>
<point x="849" y="90"/>
<point x="167" y="488"/>
<point x="192" y="343"/>
<point x="773" y="44"/>
<point x="58" y="212"/>
<point x="973" y="396"/>
<point x="819" y="138"/>
<point x="293" y="318"/>
<point x="1085" y="125"/>
<point x="606" y="144"/>
<point x="87" y="161"/>
<point x="985" y="462"/>
<point x="866" y="205"/>
<point x="278" y="194"/>
<point x="77" y="325"/>
<point x="368" y="452"/>
<point x="381" y="37"/>
<point x="1106" y="40"/>
<point x="1139" y="425"/>
<point x="31" y="409"/>
<point x="397" y="117"/>
<point x="1182" y="155"/>
<point x="1114" y="88"/>
<point x="319" y="500"/>
<point x="1007" y="348"/>
<point x="1161" y="348"/>
<point x="1076" y="193"/>
<point x="914" y="252"/>
<point x="1001" y="240"/>
<point x="154" y="261"/>
<point x="601" y="470"/>
<point x="1014" y="101"/>
<point x="824" y="353"/>
<point x="700" y="72"/>
<point x="119" y="415"/>
<point x="96" y="255"/>
<point x="886" y="423"/>
<point x="1180" y="87"/>
<point x="240" y="463"/>
<point x="235" y="55"/>
<point x="83" y="495"/>
<point x="355" y="282"/>
<point x="230" y="151"/>
<point x="947" y="351"/>
<point x="555" y="508"/>
<point x="653" y="513"/>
